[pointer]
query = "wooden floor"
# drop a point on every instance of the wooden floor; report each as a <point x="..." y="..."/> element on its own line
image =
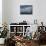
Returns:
<point x="42" y="45"/>
<point x="32" y="45"/>
<point x="1" y="45"/>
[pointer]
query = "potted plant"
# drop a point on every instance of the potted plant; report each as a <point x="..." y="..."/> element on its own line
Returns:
<point x="3" y="34"/>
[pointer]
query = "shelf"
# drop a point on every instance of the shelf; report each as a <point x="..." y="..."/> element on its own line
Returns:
<point x="19" y="32"/>
<point x="16" y="32"/>
<point x="12" y="32"/>
<point x="23" y="25"/>
<point x="20" y="29"/>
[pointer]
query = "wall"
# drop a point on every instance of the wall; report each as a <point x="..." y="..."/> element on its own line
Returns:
<point x="12" y="11"/>
<point x="0" y="13"/>
<point x="15" y="14"/>
<point x="4" y="11"/>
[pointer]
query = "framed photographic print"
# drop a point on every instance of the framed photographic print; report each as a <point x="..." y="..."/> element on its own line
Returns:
<point x="25" y="9"/>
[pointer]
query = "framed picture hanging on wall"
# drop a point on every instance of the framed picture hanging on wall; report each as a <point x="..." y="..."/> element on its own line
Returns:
<point x="26" y="9"/>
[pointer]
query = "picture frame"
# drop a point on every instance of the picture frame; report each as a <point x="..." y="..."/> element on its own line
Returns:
<point x="26" y="9"/>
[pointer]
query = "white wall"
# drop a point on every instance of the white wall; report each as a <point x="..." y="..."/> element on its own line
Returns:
<point x="12" y="11"/>
<point x="0" y="13"/>
<point x="4" y="11"/>
<point x="15" y="14"/>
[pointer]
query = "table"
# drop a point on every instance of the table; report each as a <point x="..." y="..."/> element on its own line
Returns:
<point x="26" y="42"/>
<point x="23" y="42"/>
